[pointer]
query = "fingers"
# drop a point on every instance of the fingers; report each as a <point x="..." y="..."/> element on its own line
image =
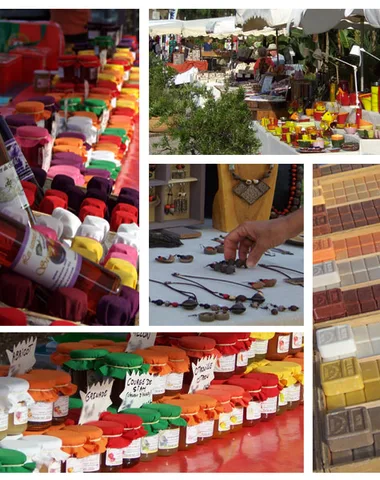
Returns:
<point x="231" y="244"/>
<point x="254" y="256"/>
<point x="244" y="248"/>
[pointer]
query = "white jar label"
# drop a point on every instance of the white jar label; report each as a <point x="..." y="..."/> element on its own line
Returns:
<point x="54" y="467"/>
<point x="47" y="262"/>
<point x="61" y="407"/>
<point x="159" y="384"/>
<point x="226" y="363"/>
<point x="242" y="359"/>
<point x="297" y="340"/>
<point x="41" y="412"/>
<point x="261" y="346"/>
<point x="206" y="429"/>
<point x="114" y="457"/>
<point x="269" y="406"/>
<point x="149" y="444"/>
<point x="74" y="465"/>
<point x="252" y="350"/>
<point x="133" y="450"/>
<point x="224" y="424"/>
<point x="168" y="439"/>
<point x="294" y="392"/>
<point x="192" y="434"/>
<point x="3" y="420"/>
<point x="43" y="83"/>
<point x="91" y="463"/>
<point x="237" y="416"/>
<point x="11" y="192"/>
<point x="20" y="416"/>
<point x="253" y="411"/>
<point x="283" y="343"/>
<point x="174" y="381"/>
<point x="23" y="170"/>
<point x="283" y="397"/>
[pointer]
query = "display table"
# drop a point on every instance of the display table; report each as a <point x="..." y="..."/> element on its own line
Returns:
<point x="183" y="67"/>
<point x="281" y="293"/>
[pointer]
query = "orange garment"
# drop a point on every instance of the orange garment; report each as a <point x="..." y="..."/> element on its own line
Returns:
<point x="72" y="22"/>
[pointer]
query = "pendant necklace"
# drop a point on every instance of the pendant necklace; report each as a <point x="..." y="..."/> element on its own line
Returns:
<point x="250" y="189"/>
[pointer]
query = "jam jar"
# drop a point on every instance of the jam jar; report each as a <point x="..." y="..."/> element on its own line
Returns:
<point x="75" y="445"/>
<point x="62" y="354"/>
<point x="98" y="342"/>
<point x="282" y="405"/>
<point x="111" y="460"/>
<point x="42" y="390"/>
<point x="179" y="362"/>
<point x="243" y="344"/>
<point x="13" y="461"/>
<point x="196" y="348"/>
<point x="158" y="367"/>
<point x="168" y="438"/>
<point x="31" y="450"/>
<point x="226" y="344"/>
<point x="251" y="352"/>
<point x="240" y="400"/>
<point x="252" y="413"/>
<point x="151" y="422"/>
<point x="133" y="432"/>
<point x="68" y="68"/>
<point x="96" y="445"/>
<point x="296" y="342"/>
<point x="271" y="390"/>
<point x="81" y="366"/>
<point x="15" y="392"/>
<point x="222" y="425"/>
<point x="261" y="344"/>
<point x="51" y="458"/>
<point x="117" y="365"/>
<point x="278" y="346"/>
<point x="207" y="405"/>
<point x="88" y="68"/>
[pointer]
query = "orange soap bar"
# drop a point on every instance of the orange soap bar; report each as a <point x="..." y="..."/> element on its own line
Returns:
<point x="323" y="250"/>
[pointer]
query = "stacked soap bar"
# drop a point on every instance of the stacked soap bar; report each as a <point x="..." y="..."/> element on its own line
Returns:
<point x="328" y="305"/>
<point x="341" y="376"/>
<point x="362" y="300"/>
<point x="367" y="339"/>
<point x="360" y="270"/>
<point x="325" y="276"/>
<point x="323" y="250"/>
<point x="321" y="224"/>
<point x="336" y="343"/>
<point x="356" y="246"/>
<point x="354" y="216"/>
<point x="323" y="170"/>
<point x="352" y="189"/>
<point x="318" y="198"/>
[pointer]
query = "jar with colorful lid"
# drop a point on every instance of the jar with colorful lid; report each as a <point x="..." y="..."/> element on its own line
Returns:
<point x="222" y="427"/>
<point x="64" y="388"/>
<point x="88" y="68"/>
<point x="261" y="344"/>
<point x="51" y="456"/>
<point x="278" y="346"/>
<point x="64" y="87"/>
<point x="196" y="347"/>
<point x="95" y="106"/>
<point x="158" y="367"/>
<point x="62" y="353"/>
<point x="243" y="345"/>
<point x="82" y="365"/>
<point x="4" y="416"/>
<point x="173" y="338"/>
<point x="118" y="366"/>
<point x="41" y="81"/>
<point x="68" y="68"/>
<point x="104" y="43"/>
<point x="179" y="362"/>
<point x="252" y="413"/>
<point x="98" y="342"/>
<point x="30" y="450"/>
<point x="42" y="390"/>
<point x="168" y="438"/>
<point x="13" y="461"/>
<point x="240" y="401"/>
<point x="74" y="445"/>
<point x="32" y="141"/>
<point x="226" y="345"/>
<point x="133" y="433"/>
<point x="152" y="424"/>
<point x="271" y="387"/>
<point x="73" y="104"/>
<point x="252" y="351"/>
<point x="296" y="342"/>
<point x="15" y="401"/>
<point x="209" y="406"/>
<point x="96" y="445"/>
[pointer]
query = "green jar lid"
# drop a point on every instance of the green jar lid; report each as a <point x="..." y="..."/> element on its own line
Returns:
<point x="75" y="403"/>
<point x="95" y="102"/>
<point x="102" y="164"/>
<point x="166" y="410"/>
<point x="120" y="359"/>
<point x="81" y="360"/>
<point x="88" y="354"/>
<point x="10" y="458"/>
<point x="119" y="132"/>
<point x="146" y="415"/>
<point x="104" y="40"/>
<point x="70" y="101"/>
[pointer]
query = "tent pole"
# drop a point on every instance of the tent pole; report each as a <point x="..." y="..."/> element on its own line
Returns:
<point x="362" y="56"/>
<point x="278" y="55"/>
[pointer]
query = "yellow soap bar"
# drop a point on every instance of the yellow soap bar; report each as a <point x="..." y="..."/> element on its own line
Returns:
<point x="341" y="376"/>
<point x="318" y="198"/>
<point x="370" y="371"/>
<point x="372" y="391"/>
<point x="333" y="402"/>
<point x="355" y="398"/>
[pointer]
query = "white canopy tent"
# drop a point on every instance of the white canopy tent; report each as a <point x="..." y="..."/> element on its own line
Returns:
<point x="214" y="27"/>
<point x="165" y="27"/>
<point x="257" y="19"/>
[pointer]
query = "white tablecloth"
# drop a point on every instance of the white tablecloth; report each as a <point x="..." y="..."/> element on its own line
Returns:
<point x="282" y="293"/>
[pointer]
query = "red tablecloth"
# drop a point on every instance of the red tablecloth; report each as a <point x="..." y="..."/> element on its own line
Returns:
<point x="184" y="67"/>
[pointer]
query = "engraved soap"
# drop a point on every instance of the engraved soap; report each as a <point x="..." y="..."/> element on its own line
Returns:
<point x="341" y="376"/>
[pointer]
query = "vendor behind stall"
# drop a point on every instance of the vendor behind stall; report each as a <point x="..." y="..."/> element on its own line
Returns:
<point x="207" y="46"/>
<point x="263" y="64"/>
<point x="277" y="58"/>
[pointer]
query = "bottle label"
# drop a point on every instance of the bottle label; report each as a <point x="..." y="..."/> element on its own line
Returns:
<point x="159" y="384"/>
<point x="168" y="439"/>
<point x="224" y="422"/>
<point x="18" y="159"/>
<point x="294" y="392"/>
<point x="237" y="416"/>
<point x="54" y="467"/>
<point x="20" y="416"/>
<point x="252" y="350"/>
<point x="283" y="343"/>
<point x="91" y="463"/>
<point x="206" y="429"/>
<point x="174" y="381"/>
<point x="269" y="406"/>
<point x="261" y="346"/>
<point x="226" y="363"/>
<point x="47" y="262"/>
<point x="61" y="407"/>
<point x="114" y="456"/>
<point x="242" y="359"/>
<point x="149" y="444"/>
<point x="74" y="465"/>
<point x="253" y="411"/>
<point x="133" y="450"/>
<point x="297" y="340"/>
<point x="192" y="434"/>
<point x="3" y="421"/>
<point x="41" y="412"/>
<point x="12" y="194"/>
<point x="283" y="397"/>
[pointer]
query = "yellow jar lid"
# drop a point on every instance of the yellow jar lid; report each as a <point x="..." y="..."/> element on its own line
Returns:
<point x="126" y="271"/>
<point x="88" y="247"/>
<point x="263" y="335"/>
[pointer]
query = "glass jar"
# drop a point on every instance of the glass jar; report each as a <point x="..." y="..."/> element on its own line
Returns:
<point x="222" y="422"/>
<point x="237" y="418"/>
<point x="282" y="405"/>
<point x="158" y="367"/>
<point x="132" y="454"/>
<point x="296" y="340"/>
<point x="278" y="346"/>
<point x="4" y="419"/>
<point x="243" y="344"/>
<point x="62" y="354"/>
<point x="261" y="344"/>
<point x="269" y="407"/>
<point x="227" y="345"/>
<point x="67" y="68"/>
<point x="222" y="427"/>
<point x="225" y="367"/>
<point x="294" y="396"/>
<point x="270" y="390"/>
<point x="51" y="457"/>
<point x="188" y="437"/>
<point x="179" y="362"/>
<point x="88" y="68"/>
<point x="72" y="465"/>
<point x="252" y="414"/>
<point x="251" y="353"/>
<point x="252" y="410"/>
<point x="239" y="399"/>
<point x="205" y="431"/>
<point x="75" y="446"/>
<point x="95" y="445"/>
<point x="14" y="392"/>
<point x="206" y="405"/>
<point x="149" y="448"/>
<point x="168" y="441"/>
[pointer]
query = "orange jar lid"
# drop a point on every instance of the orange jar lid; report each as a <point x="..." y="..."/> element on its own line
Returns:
<point x="75" y="142"/>
<point x="239" y="396"/>
<point x="97" y="342"/>
<point x="92" y="433"/>
<point x="73" y="443"/>
<point x="30" y="108"/>
<point x="62" y="354"/>
<point x="199" y="347"/>
<point x="63" y="383"/>
<point x="223" y="397"/>
<point x="207" y="404"/>
<point x="177" y="358"/>
<point x="41" y="386"/>
<point x="158" y="361"/>
<point x="191" y="410"/>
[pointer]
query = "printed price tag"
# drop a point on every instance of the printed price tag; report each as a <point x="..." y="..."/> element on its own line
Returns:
<point x="138" y="390"/>
<point x="203" y="373"/>
<point x="95" y="401"/>
<point x="139" y="341"/>
<point x="22" y="357"/>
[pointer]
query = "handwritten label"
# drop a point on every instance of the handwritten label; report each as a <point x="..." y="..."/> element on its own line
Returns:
<point x="95" y="401"/>
<point x="137" y="391"/>
<point x="140" y="341"/>
<point x="203" y="373"/>
<point x="22" y="357"/>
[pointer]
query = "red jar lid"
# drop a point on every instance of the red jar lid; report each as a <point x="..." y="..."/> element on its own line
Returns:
<point x="198" y="346"/>
<point x="67" y="60"/>
<point x="225" y="342"/>
<point x="108" y="428"/>
<point x="125" y="419"/>
<point x="266" y="379"/>
<point x="31" y="132"/>
<point x="249" y="384"/>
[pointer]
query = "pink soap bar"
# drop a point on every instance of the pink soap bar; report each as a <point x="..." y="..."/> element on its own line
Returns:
<point x="129" y="258"/>
<point x="46" y="231"/>
<point x="125" y="249"/>
<point x="69" y="170"/>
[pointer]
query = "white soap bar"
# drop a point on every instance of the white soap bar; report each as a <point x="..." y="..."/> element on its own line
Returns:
<point x="374" y="331"/>
<point x="360" y="334"/>
<point x="336" y="341"/>
<point x="325" y="274"/>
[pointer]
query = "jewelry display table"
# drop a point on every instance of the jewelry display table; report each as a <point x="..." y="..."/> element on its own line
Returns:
<point x="282" y="294"/>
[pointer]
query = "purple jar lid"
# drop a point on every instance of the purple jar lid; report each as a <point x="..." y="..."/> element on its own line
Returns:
<point x="20" y="120"/>
<point x="98" y="194"/>
<point x="47" y="100"/>
<point x="66" y="161"/>
<point x="116" y="310"/>
<point x="76" y="196"/>
<point x="68" y="155"/>
<point x="129" y="191"/>
<point x="100" y="183"/>
<point x="40" y="175"/>
<point x="128" y="199"/>
<point x="98" y="172"/>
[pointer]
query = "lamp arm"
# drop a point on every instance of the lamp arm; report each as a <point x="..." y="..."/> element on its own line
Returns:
<point x="370" y="54"/>
<point x="343" y="61"/>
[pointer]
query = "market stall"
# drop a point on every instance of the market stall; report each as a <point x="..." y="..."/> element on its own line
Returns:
<point x="69" y="143"/>
<point x="128" y="403"/>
